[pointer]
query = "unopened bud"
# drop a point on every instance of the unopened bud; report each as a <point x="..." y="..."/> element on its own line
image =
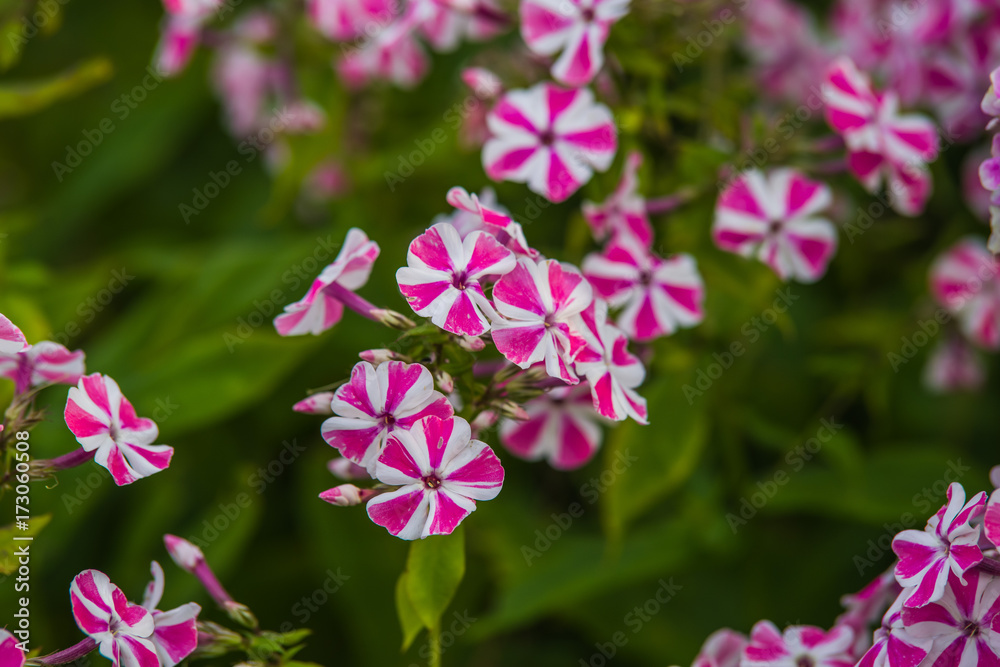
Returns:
<point x="508" y="408"/>
<point x="345" y="468"/>
<point x="391" y="318"/>
<point x="471" y="343"/>
<point x="378" y="356"/>
<point x="346" y="495"/>
<point x="484" y="420"/>
<point x="444" y="381"/>
<point x="186" y="555"/>
<point x="317" y="404"/>
<point x="215" y="640"/>
<point x="241" y="614"/>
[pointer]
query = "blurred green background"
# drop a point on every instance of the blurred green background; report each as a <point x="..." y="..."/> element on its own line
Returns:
<point x="227" y="411"/>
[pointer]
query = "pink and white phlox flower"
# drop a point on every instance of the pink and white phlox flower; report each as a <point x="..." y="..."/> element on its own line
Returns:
<point x="964" y="279"/>
<point x="123" y="631"/>
<point x="562" y="428"/>
<point x="798" y="645"/>
<point x="175" y="634"/>
<point x="624" y="212"/>
<point x="40" y="364"/>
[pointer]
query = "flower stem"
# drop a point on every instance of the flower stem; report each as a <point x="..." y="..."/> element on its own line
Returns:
<point x="669" y="202"/>
<point x="990" y="565"/>
<point x="70" y="654"/>
<point x="435" y="639"/>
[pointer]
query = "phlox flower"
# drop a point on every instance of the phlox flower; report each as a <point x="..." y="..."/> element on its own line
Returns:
<point x="444" y="23"/>
<point x="776" y="218"/>
<point x="882" y="144"/>
<point x="991" y="100"/>
<point x="964" y="280"/>
<point x="798" y="645"/>
<point x="561" y="428"/>
<point x="12" y="340"/>
<point x="537" y="301"/>
<point x="601" y="355"/>
<point x="893" y="645"/>
<point x="42" y="363"/>
<point x="346" y="19"/>
<point x="391" y="54"/>
<point x="578" y="28"/>
<point x="550" y="138"/>
<point x="441" y="472"/>
<point x="319" y="310"/>
<point x="867" y="606"/>
<point x="175" y="634"/>
<point x="181" y="32"/>
<point x="104" y="422"/>
<point x="955" y="79"/>
<point x="378" y="402"/>
<point x="10" y="654"/>
<point x="723" y="648"/>
<point x="624" y="212"/>
<point x="123" y="631"/>
<point x="949" y="544"/>
<point x="444" y="278"/>
<point x="954" y="365"/>
<point x="961" y="624"/>
<point x="243" y="78"/>
<point x="482" y="213"/>
<point x="659" y="295"/>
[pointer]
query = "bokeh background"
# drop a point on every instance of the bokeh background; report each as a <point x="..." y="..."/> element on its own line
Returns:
<point x="168" y="339"/>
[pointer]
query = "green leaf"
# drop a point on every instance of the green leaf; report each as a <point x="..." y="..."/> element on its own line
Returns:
<point x="19" y="99"/>
<point x="434" y="569"/>
<point x="8" y="545"/>
<point x="409" y="619"/>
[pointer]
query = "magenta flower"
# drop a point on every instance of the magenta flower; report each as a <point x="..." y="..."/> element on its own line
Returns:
<point x="537" y="301"/>
<point x="561" y="428"/>
<point x="446" y="22"/>
<point x="104" y="422"/>
<point x="175" y="634"/>
<point x="949" y="544"/>
<point x="11" y="654"/>
<point x="12" y="340"/>
<point x="578" y="28"/>
<point x="378" y="402"/>
<point x="322" y="306"/>
<point x="441" y="473"/>
<point x="954" y="365"/>
<point x="40" y="364"/>
<point x="893" y="645"/>
<point x="182" y="32"/>
<point x="602" y="356"/>
<point x="550" y="138"/>
<point x="343" y="20"/>
<point x="866" y="607"/>
<point x="624" y="212"/>
<point x="391" y="54"/>
<point x="964" y="279"/>
<point x="317" y="404"/>
<point x="482" y="213"/>
<point x="190" y="558"/>
<point x="881" y="143"/>
<point x="243" y="79"/>
<point x="962" y="624"/>
<point x="723" y="648"/>
<point x="123" y="631"/>
<point x="775" y="218"/>
<point x="659" y="295"/>
<point x="444" y="278"/>
<point x="799" y="645"/>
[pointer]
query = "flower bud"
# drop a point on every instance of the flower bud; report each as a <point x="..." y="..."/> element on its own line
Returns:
<point x="378" y="356"/>
<point x="317" y="404"/>
<point x="484" y="420"/>
<point x="444" y="381"/>
<point x="345" y="495"/>
<point x="346" y="469"/>
<point x="508" y="408"/>
<point x="471" y="343"/>
<point x="186" y="555"/>
<point x="391" y="318"/>
<point x="241" y="614"/>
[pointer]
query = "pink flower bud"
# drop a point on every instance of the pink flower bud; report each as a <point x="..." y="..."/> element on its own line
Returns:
<point x="378" y="356"/>
<point x="317" y="404"/>
<point x="484" y="83"/>
<point x="484" y="420"/>
<point x="346" y="495"/>
<point x="391" y="318"/>
<point x="472" y="343"/>
<point x="186" y="555"/>
<point x="444" y="381"/>
<point x="346" y="469"/>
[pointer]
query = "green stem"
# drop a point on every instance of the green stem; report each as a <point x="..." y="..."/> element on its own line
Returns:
<point x="435" y="639"/>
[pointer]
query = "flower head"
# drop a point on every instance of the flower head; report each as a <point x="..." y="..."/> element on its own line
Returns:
<point x="123" y="631"/>
<point x="578" y="28"/>
<point x="954" y="365"/>
<point x="798" y="646"/>
<point x="444" y="277"/>
<point x="723" y="648"/>
<point x="104" y="422"/>
<point x="965" y="281"/>
<point x="659" y="295"/>
<point x="392" y="54"/>
<point x="318" y="310"/>
<point x="949" y="543"/>
<point x="561" y="428"/>
<point x="378" y="402"/>
<point x="11" y="654"/>
<point x="881" y="143"/>
<point x="537" y="301"/>
<point x="893" y="645"/>
<point x="346" y="19"/>
<point x="175" y="634"/>
<point x="182" y="32"/>
<point x="441" y="472"/>
<point x="624" y="212"/>
<point x="444" y="23"/>
<point x="482" y="213"/>
<point x="42" y="363"/>
<point x="775" y="218"/>
<point x="12" y="340"/>
<point x="550" y="138"/>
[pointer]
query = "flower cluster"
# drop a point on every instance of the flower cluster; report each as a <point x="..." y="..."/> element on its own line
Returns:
<point x="102" y="419"/>
<point x="938" y="606"/>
